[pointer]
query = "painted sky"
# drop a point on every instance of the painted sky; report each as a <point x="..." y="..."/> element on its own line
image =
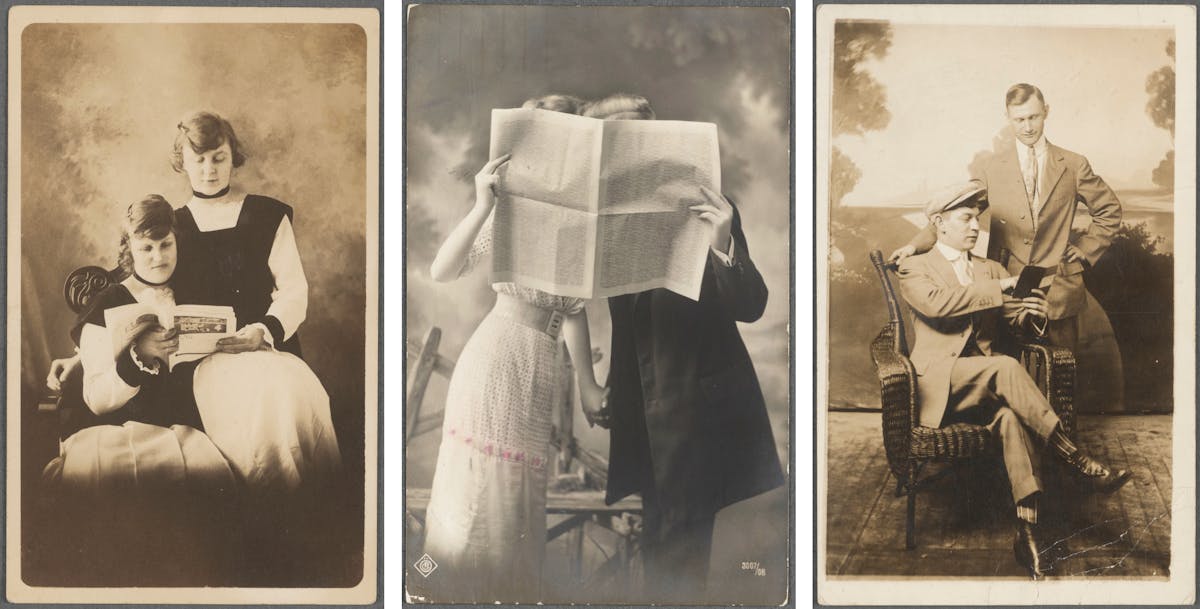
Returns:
<point x="945" y="87"/>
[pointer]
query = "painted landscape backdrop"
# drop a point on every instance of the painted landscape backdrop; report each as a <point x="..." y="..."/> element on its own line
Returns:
<point x="916" y="106"/>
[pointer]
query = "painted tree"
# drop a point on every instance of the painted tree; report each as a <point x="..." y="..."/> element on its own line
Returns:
<point x="1160" y="85"/>
<point x="859" y="101"/>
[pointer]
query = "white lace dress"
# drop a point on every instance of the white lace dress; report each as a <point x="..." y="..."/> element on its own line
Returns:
<point x="486" y="521"/>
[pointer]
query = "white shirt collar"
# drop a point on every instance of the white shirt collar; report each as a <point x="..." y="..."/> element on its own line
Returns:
<point x="1039" y="147"/>
<point x="951" y="254"/>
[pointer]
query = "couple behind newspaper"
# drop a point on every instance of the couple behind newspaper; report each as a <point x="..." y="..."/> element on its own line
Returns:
<point x="588" y="208"/>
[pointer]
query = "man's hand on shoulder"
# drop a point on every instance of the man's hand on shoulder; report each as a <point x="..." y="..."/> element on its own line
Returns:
<point x="902" y="253"/>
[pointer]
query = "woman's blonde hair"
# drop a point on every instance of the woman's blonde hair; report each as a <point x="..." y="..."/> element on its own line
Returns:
<point x="620" y="106"/>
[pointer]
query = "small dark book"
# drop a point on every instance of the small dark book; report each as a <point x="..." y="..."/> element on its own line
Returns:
<point x="1031" y="278"/>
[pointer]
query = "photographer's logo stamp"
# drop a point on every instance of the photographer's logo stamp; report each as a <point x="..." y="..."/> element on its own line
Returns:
<point x="425" y="565"/>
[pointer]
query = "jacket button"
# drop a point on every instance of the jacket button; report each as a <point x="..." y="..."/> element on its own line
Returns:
<point x="1026" y="241"/>
<point x="1021" y="216"/>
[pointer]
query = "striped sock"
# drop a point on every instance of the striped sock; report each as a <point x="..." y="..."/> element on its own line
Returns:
<point x="1027" y="509"/>
<point x="1061" y="444"/>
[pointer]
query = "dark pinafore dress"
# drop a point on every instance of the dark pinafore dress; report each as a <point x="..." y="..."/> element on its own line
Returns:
<point x="229" y="266"/>
<point x="163" y="399"/>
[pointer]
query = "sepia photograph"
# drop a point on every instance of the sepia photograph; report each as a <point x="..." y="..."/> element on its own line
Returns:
<point x="193" y="289"/>
<point x="1006" y="276"/>
<point x="598" y="304"/>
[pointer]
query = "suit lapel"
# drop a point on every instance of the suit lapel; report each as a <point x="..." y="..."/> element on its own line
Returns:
<point x="1055" y="166"/>
<point x="980" y="268"/>
<point x="1010" y="168"/>
<point x="944" y="268"/>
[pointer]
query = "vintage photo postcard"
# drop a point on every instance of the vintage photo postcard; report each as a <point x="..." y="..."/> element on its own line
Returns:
<point x="1005" y="223"/>
<point x="598" y="304"/>
<point x="193" y="289"/>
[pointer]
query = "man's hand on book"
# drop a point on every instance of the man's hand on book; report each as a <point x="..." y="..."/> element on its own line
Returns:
<point x="157" y="343"/>
<point x="486" y="180"/>
<point x="249" y="338"/>
<point x="718" y="213"/>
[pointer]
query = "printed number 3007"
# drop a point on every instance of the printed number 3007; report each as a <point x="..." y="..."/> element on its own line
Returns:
<point x="754" y="566"/>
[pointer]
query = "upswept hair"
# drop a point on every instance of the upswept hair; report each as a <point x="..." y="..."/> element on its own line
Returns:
<point x="568" y="104"/>
<point x="620" y="106"/>
<point x="204" y="131"/>
<point x="152" y="218"/>
<point x="1020" y="93"/>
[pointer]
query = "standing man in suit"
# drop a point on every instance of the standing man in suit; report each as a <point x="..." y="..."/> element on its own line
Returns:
<point x="959" y="302"/>
<point x="1033" y="189"/>
<point x="689" y="424"/>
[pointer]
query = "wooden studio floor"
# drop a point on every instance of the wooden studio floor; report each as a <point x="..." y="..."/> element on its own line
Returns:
<point x="964" y="529"/>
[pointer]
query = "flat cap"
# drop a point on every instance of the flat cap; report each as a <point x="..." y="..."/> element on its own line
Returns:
<point x="956" y="195"/>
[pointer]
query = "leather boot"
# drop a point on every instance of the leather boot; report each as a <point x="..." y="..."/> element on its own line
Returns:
<point x="1028" y="550"/>
<point x="1105" y="481"/>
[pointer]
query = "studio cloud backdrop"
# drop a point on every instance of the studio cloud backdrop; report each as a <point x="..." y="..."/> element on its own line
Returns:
<point x="100" y="105"/>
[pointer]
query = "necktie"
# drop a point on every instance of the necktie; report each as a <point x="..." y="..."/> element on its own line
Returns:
<point x="963" y="270"/>
<point x="1031" y="174"/>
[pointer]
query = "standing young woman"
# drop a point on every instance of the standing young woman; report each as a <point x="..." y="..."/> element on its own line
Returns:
<point x="261" y="404"/>
<point x="486" y="519"/>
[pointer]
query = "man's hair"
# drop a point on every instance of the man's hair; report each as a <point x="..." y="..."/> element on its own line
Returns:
<point x="623" y="105"/>
<point x="1020" y="93"/>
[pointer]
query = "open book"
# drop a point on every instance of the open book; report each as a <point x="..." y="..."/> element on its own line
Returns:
<point x="590" y="208"/>
<point x="200" y="326"/>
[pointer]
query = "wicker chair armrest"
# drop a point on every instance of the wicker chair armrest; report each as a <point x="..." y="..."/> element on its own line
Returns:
<point x="898" y="393"/>
<point x="1053" y="368"/>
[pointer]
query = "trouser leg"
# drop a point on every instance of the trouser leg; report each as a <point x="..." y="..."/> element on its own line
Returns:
<point x="990" y="379"/>
<point x="675" y="551"/>
<point x="1064" y="332"/>
<point x="1020" y="451"/>
<point x="996" y="391"/>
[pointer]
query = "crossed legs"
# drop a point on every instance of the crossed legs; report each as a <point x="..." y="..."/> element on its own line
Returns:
<point x="997" y="391"/>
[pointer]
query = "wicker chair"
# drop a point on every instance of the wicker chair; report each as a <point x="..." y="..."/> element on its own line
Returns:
<point x="910" y="446"/>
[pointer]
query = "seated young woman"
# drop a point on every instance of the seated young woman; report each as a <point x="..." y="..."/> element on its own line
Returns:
<point x="143" y="413"/>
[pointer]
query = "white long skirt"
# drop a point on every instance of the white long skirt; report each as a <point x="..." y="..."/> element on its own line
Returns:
<point x="486" y="520"/>
<point x="268" y="414"/>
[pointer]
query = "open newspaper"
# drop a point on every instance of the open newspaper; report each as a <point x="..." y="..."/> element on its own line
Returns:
<point x="200" y="326"/>
<point x="590" y="208"/>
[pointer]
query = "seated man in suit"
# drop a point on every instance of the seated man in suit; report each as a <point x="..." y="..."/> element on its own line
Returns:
<point x="958" y="303"/>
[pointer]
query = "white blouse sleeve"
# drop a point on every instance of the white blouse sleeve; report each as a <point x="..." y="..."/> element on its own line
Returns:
<point x="103" y="389"/>
<point x="289" y="300"/>
<point x="480" y="247"/>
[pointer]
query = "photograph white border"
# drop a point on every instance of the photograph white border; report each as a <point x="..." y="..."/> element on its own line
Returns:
<point x="365" y="592"/>
<point x="1180" y="587"/>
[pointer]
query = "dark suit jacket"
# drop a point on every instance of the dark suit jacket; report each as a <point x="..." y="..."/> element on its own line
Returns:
<point x="688" y="415"/>
<point x="1066" y="180"/>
